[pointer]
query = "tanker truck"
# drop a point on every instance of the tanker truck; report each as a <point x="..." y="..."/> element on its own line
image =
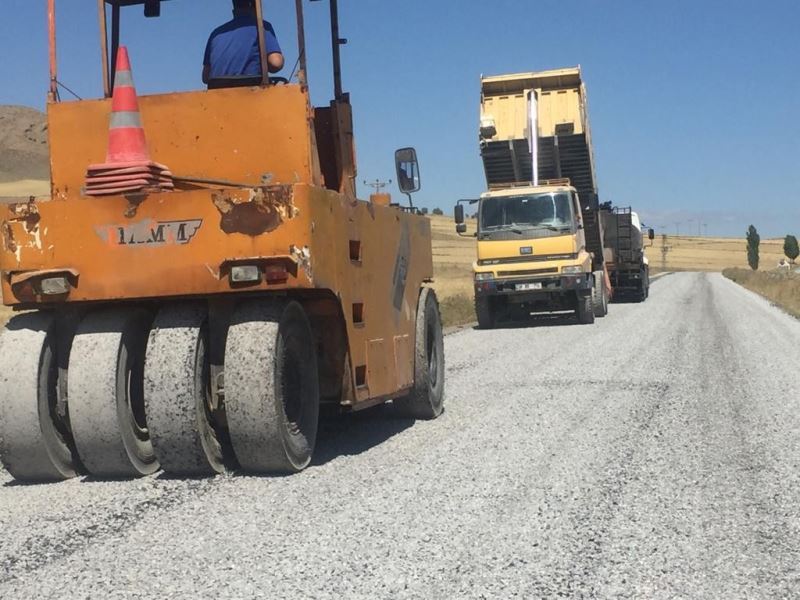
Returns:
<point x="539" y="235"/>
<point x="627" y="265"/>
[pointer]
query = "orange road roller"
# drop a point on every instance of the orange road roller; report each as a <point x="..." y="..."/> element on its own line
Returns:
<point x="202" y="279"/>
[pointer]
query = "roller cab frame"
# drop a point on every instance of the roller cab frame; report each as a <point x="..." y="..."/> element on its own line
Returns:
<point x="264" y="209"/>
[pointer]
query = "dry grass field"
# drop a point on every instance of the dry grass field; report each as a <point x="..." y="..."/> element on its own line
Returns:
<point x="709" y="254"/>
<point x="780" y="287"/>
<point x="25" y="187"/>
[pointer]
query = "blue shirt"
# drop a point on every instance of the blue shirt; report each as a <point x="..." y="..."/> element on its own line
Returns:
<point x="232" y="48"/>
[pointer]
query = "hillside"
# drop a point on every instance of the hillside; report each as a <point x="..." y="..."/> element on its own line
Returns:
<point x="23" y="144"/>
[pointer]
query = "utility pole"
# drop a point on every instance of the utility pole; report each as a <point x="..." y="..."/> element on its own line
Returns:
<point x="378" y="185"/>
<point x="705" y="229"/>
<point x="665" y="248"/>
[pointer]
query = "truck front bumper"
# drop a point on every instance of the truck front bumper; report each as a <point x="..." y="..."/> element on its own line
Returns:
<point x="535" y="287"/>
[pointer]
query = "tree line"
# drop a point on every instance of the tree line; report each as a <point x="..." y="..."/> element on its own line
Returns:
<point x="790" y="247"/>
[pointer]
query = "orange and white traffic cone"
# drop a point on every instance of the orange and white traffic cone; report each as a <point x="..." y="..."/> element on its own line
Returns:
<point x="128" y="167"/>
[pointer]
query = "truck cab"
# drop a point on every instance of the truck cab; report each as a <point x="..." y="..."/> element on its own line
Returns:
<point x="531" y="253"/>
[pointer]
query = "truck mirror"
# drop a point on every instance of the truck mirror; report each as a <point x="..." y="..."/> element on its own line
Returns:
<point x="651" y="234"/>
<point x="152" y="8"/>
<point x="459" y="214"/>
<point x="461" y="228"/>
<point x="407" y="170"/>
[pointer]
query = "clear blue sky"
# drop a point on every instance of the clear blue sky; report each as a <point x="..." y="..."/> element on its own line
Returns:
<point x="695" y="105"/>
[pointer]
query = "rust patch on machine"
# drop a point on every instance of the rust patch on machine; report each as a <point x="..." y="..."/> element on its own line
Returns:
<point x="264" y="211"/>
<point x="27" y="213"/>
<point x="8" y="237"/>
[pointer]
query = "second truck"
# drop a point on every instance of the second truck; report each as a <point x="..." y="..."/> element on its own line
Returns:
<point x="540" y="234"/>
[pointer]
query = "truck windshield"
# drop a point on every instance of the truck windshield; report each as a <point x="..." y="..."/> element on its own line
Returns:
<point x="534" y="211"/>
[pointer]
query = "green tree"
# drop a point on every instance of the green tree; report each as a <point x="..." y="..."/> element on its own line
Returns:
<point x="790" y="248"/>
<point x="438" y="211"/>
<point x="753" y="240"/>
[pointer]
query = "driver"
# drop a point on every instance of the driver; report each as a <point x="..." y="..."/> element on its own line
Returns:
<point x="232" y="48"/>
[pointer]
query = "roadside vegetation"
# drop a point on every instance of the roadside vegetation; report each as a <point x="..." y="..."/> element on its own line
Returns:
<point x="457" y="310"/>
<point x="753" y="241"/>
<point x="780" y="287"/>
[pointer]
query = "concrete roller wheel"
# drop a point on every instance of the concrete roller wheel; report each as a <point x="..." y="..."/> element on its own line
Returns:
<point x="271" y="387"/>
<point x="105" y="393"/>
<point x="177" y="393"/>
<point x="426" y="400"/>
<point x="35" y="443"/>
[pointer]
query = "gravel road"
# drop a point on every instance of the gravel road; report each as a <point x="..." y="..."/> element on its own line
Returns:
<point x="655" y="454"/>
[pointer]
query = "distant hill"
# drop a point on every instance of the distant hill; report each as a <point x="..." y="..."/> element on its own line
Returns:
<point x="23" y="144"/>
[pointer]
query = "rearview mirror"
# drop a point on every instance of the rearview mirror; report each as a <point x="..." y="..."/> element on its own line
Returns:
<point x="407" y="170"/>
<point x="651" y="234"/>
<point x="152" y="8"/>
<point x="459" y="214"/>
<point x="461" y="228"/>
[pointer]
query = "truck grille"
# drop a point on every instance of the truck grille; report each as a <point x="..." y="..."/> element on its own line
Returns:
<point x="527" y="272"/>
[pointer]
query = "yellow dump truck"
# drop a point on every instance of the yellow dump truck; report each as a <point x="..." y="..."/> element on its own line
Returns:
<point x="540" y="240"/>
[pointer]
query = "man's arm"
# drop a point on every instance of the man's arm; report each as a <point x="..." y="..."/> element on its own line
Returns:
<point x="275" y="62"/>
<point x="274" y="52"/>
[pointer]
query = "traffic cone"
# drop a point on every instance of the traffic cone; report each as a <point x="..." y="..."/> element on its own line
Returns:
<point x="128" y="166"/>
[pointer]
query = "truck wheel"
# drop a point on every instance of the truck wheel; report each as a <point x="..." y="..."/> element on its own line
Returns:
<point x="487" y="317"/>
<point x="599" y="295"/>
<point x="585" y="310"/>
<point x="426" y="400"/>
<point x="272" y="387"/>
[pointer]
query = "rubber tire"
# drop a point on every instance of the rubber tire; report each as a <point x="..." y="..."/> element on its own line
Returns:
<point x="646" y="284"/>
<point x="599" y="294"/>
<point x="35" y="443"/>
<point x="261" y="337"/>
<point x="177" y="393"/>
<point x="585" y="310"/>
<point x="485" y="312"/>
<point x="105" y="369"/>
<point x="426" y="400"/>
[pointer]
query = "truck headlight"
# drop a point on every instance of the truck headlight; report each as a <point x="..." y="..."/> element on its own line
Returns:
<point x="484" y="276"/>
<point x="572" y="269"/>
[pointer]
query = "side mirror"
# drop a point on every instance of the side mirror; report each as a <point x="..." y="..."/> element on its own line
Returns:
<point x="461" y="228"/>
<point x="459" y="214"/>
<point x="651" y="234"/>
<point x="152" y="8"/>
<point x="407" y="170"/>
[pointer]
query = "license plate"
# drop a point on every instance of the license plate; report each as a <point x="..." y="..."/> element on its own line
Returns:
<point x="524" y="287"/>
